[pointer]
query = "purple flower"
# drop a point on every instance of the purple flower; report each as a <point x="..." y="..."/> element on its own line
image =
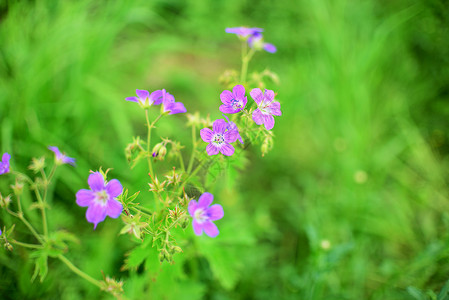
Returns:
<point x="4" y="164"/>
<point x="243" y="32"/>
<point x="61" y="158"/>
<point x="100" y="199"/>
<point x="145" y="99"/>
<point x="169" y="104"/>
<point x="267" y="108"/>
<point x="233" y="102"/>
<point x="256" y="41"/>
<point x="219" y="138"/>
<point x="203" y="215"/>
<point x="233" y="126"/>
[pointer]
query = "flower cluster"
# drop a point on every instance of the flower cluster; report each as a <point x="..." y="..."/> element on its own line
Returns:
<point x="169" y="106"/>
<point x="254" y="38"/>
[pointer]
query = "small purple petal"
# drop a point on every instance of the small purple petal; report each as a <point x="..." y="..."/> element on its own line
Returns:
<point x="257" y="95"/>
<point x="84" y="197"/>
<point x="192" y="207"/>
<point x="268" y="121"/>
<point x="96" y="181"/>
<point x="269" y="47"/>
<point x="156" y="97"/>
<point x="114" y="188"/>
<point x="258" y="117"/>
<point x="211" y="149"/>
<point x="176" y="108"/>
<point x="114" y="208"/>
<point x="219" y="126"/>
<point x="205" y="200"/>
<point x="142" y="94"/>
<point x="269" y="96"/>
<point x="227" y="109"/>
<point x="227" y="149"/>
<point x="6" y="157"/>
<point x="55" y="150"/>
<point x="231" y="136"/>
<point x="275" y="108"/>
<point x="206" y="135"/>
<point x="239" y="91"/>
<point x="95" y="214"/>
<point x="133" y="99"/>
<point x="68" y="160"/>
<point x="215" y="212"/>
<point x="226" y="97"/>
<point x="197" y="227"/>
<point x="210" y="229"/>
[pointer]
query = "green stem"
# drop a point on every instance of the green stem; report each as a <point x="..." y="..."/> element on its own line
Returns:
<point x="26" y="245"/>
<point x="42" y="207"/>
<point x="150" y="126"/>
<point x="30" y="227"/>
<point x="246" y="57"/>
<point x="150" y="165"/>
<point x="79" y="272"/>
<point x="28" y="179"/>
<point x="191" y="175"/>
<point x="181" y="161"/>
<point x="192" y="157"/>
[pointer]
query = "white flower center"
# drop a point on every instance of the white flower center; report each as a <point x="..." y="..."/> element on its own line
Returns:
<point x="218" y="139"/>
<point x="200" y="215"/>
<point x="236" y="104"/>
<point x="101" y="197"/>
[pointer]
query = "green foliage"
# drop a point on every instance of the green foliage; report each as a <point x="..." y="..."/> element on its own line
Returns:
<point x="359" y="158"/>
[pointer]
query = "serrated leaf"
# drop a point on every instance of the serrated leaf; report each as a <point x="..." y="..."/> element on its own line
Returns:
<point x="41" y="265"/>
<point x="137" y="256"/>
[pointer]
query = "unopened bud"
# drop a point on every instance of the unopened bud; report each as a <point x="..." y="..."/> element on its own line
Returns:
<point x="4" y="201"/>
<point x="17" y="188"/>
<point x="185" y="223"/>
<point x="37" y="164"/>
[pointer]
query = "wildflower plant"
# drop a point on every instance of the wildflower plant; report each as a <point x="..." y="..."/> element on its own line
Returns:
<point x="180" y="199"/>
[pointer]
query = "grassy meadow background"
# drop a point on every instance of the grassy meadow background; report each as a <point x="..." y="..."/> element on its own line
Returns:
<point x="352" y="202"/>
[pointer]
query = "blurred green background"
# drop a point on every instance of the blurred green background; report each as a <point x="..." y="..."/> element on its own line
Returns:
<point x="352" y="203"/>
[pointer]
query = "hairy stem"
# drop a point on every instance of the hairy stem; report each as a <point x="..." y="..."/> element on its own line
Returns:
<point x="26" y="245"/>
<point x="192" y="157"/>
<point x="79" y="272"/>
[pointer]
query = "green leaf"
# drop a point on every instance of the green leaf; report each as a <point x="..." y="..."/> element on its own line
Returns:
<point x="137" y="256"/>
<point x="41" y="265"/>
<point x="444" y="293"/>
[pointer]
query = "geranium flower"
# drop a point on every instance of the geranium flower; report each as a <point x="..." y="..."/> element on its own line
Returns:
<point x="100" y="199"/>
<point x="267" y="108"/>
<point x="61" y="158"/>
<point x="244" y="32"/>
<point x="219" y="138"/>
<point x="4" y="164"/>
<point x="256" y="41"/>
<point x="169" y="104"/>
<point x="203" y="215"/>
<point x="233" y="102"/>
<point x="145" y="99"/>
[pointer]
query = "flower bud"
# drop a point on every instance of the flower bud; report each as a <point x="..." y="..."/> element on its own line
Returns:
<point x="159" y="151"/>
<point x="185" y="223"/>
<point x="37" y="164"/>
<point x="17" y="188"/>
<point x="4" y="201"/>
